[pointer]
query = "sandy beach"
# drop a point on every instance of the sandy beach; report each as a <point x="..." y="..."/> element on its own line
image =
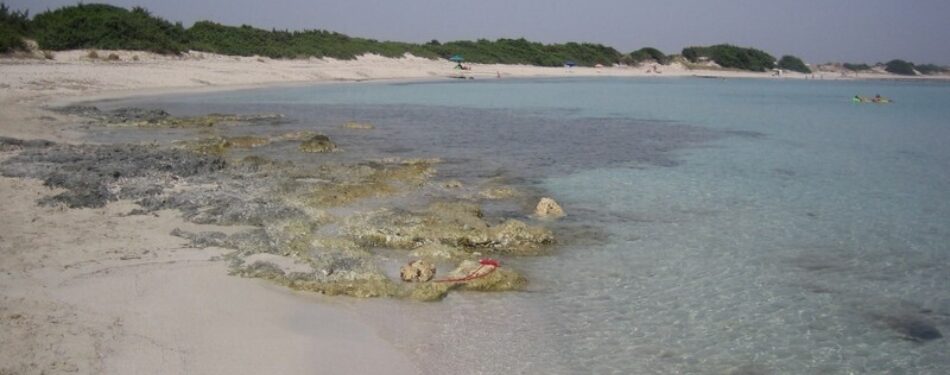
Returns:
<point x="96" y="290"/>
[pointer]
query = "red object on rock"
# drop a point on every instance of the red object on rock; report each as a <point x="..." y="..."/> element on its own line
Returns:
<point x="489" y="262"/>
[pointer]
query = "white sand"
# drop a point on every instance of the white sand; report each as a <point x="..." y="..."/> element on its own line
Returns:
<point x="94" y="291"/>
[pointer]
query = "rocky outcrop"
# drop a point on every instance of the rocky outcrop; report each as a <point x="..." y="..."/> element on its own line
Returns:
<point x="317" y="144"/>
<point x="455" y="224"/>
<point x="156" y="118"/>
<point x="418" y="270"/>
<point x="358" y="125"/>
<point x="548" y="208"/>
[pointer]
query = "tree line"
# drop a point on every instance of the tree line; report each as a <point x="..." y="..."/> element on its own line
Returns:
<point x="101" y="26"/>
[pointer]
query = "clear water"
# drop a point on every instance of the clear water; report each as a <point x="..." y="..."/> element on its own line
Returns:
<point x="728" y="226"/>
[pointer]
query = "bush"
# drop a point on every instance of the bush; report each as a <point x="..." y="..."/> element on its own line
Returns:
<point x="113" y="57"/>
<point x="49" y="55"/>
<point x="93" y="54"/>
<point x="729" y="56"/>
<point x="789" y="62"/>
<point x="13" y="26"/>
<point x="18" y="22"/>
<point x="856" y="67"/>
<point x="930" y="69"/>
<point x="900" y="67"/>
<point x="647" y="53"/>
<point x="10" y="40"/>
<point x="106" y="27"/>
<point x="521" y="51"/>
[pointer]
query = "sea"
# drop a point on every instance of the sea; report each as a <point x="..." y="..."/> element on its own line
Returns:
<point x="714" y="226"/>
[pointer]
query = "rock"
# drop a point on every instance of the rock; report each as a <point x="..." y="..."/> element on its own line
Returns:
<point x="318" y="143"/>
<point x="548" y="208"/>
<point x="247" y="141"/>
<point x="516" y="237"/>
<point x="298" y="135"/>
<point x="499" y="280"/>
<point x="156" y="118"/>
<point x="96" y="174"/>
<point x="912" y="327"/>
<point x="417" y="270"/>
<point x="456" y="224"/>
<point x="498" y="192"/>
<point x="215" y="146"/>
<point x="438" y="251"/>
<point x="452" y="184"/>
<point x="358" y="125"/>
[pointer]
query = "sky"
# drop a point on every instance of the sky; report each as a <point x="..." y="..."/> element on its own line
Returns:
<point x="817" y="31"/>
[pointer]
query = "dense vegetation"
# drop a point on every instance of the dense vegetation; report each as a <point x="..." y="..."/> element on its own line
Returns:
<point x="856" y="67"/>
<point x="106" y="27"/>
<point x="931" y="69"/>
<point x="900" y="67"/>
<point x="247" y="41"/>
<point x="646" y="53"/>
<point x="729" y="56"/>
<point x="521" y="51"/>
<point x="100" y="26"/>
<point x="13" y="26"/>
<point x="795" y="64"/>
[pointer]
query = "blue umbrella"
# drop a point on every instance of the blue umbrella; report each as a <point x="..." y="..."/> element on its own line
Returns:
<point x="456" y="58"/>
<point x="569" y="63"/>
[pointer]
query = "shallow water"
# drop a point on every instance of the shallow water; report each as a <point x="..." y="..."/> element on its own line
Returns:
<point x="716" y="226"/>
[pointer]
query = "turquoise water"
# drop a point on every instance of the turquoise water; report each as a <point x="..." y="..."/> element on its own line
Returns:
<point x="722" y="226"/>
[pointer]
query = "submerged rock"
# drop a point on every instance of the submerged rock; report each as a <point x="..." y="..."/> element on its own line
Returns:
<point x="247" y="141"/>
<point x="297" y="135"/>
<point x="498" y="192"/>
<point x="417" y="270"/>
<point x="358" y="125"/>
<point x="548" y="208"/>
<point x="912" y="327"/>
<point x="318" y="143"/>
<point x="496" y="280"/>
<point x="348" y="184"/>
<point x="438" y="251"/>
<point x="156" y="118"/>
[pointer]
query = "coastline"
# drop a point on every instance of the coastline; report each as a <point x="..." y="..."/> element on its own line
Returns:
<point x="80" y="294"/>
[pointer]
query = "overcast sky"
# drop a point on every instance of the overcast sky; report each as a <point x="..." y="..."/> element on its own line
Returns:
<point x="818" y="31"/>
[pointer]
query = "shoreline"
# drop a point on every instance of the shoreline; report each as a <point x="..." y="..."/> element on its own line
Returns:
<point x="73" y="273"/>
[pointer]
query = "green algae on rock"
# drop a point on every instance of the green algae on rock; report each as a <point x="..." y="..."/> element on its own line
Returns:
<point x="358" y="125"/>
<point x="498" y="280"/>
<point x="456" y="224"/>
<point x="317" y="144"/>
<point x="156" y="118"/>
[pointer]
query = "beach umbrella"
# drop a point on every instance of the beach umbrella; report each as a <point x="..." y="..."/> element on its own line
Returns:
<point x="570" y="63"/>
<point x="456" y="58"/>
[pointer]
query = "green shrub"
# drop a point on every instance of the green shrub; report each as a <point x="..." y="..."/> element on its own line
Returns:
<point x="900" y="67"/>
<point x="13" y="26"/>
<point x="856" y="67"/>
<point x="930" y="69"/>
<point x="521" y="51"/>
<point x="106" y="27"/>
<point x="647" y="53"/>
<point x="113" y="57"/>
<point x="93" y="54"/>
<point x="18" y="22"/>
<point x="795" y="64"/>
<point x="10" y="40"/>
<point x="729" y="56"/>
